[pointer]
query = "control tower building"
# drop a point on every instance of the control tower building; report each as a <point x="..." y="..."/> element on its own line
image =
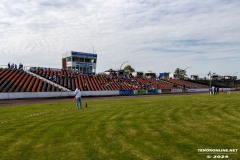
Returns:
<point x="80" y="61"/>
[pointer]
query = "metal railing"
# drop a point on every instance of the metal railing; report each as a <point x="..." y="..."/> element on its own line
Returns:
<point x="3" y="66"/>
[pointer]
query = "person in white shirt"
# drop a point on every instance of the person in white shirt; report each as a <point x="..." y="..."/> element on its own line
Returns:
<point x="213" y="90"/>
<point x="78" y="94"/>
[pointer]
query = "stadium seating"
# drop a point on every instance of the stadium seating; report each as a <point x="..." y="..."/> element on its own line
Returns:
<point x="186" y="83"/>
<point x="71" y="80"/>
<point x="17" y="80"/>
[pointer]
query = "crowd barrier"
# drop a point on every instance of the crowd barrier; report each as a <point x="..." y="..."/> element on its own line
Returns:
<point x="24" y="95"/>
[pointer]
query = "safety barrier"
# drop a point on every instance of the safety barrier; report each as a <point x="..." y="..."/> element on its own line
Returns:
<point x="24" y="95"/>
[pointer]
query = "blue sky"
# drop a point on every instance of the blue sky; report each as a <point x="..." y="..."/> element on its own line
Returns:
<point x="153" y="35"/>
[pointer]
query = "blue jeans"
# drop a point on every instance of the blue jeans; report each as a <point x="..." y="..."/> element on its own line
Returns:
<point x="79" y="103"/>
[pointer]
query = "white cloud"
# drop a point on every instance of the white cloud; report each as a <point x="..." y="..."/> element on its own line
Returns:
<point x="151" y="35"/>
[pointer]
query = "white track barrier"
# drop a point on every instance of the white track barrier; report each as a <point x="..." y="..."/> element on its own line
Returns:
<point x="24" y="95"/>
<point x="207" y="90"/>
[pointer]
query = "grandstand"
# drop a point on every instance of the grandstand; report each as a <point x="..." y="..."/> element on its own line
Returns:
<point x="62" y="82"/>
<point x="18" y="80"/>
<point x="38" y="79"/>
<point x="71" y="80"/>
<point x="186" y="84"/>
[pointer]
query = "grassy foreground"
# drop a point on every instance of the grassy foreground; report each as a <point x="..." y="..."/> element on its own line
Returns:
<point x="161" y="128"/>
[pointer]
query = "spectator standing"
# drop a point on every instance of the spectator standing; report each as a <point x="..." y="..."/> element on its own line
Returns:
<point x="78" y="95"/>
<point x="210" y="90"/>
<point x="20" y="66"/>
<point x="213" y="90"/>
<point x="12" y="66"/>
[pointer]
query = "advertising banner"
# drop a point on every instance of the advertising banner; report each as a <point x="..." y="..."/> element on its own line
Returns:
<point x="166" y="90"/>
<point x="153" y="91"/>
<point x="198" y="90"/>
<point x="83" y="54"/>
<point x="176" y="90"/>
<point x="140" y="91"/>
<point x="126" y="92"/>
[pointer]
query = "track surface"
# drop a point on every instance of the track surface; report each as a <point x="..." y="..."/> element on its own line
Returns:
<point x="19" y="102"/>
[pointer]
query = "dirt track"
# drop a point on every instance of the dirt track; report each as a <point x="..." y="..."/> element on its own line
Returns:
<point x="20" y="102"/>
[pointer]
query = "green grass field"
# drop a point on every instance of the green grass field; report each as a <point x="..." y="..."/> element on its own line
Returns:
<point x="158" y="128"/>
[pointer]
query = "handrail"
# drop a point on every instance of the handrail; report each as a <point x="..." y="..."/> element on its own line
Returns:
<point x="3" y="66"/>
<point x="44" y="79"/>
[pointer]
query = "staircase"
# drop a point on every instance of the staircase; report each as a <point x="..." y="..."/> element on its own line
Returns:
<point x="48" y="81"/>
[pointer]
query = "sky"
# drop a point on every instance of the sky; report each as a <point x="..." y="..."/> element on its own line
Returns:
<point x="152" y="35"/>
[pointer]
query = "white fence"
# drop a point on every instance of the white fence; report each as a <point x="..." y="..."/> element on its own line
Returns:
<point x="207" y="90"/>
<point x="22" y="95"/>
<point x="198" y="90"/>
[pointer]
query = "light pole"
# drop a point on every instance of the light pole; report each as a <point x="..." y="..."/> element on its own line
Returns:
<point x="233" y="78"/>
<point x="120" y="86"/>
<point x="122" y="65"/>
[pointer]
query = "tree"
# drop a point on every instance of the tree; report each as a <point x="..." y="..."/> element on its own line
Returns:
<point x="180" y="73"/>
<point x="128" y="67"/>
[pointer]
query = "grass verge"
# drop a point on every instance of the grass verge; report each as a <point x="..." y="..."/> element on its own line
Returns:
<point x="169" y="128"/>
